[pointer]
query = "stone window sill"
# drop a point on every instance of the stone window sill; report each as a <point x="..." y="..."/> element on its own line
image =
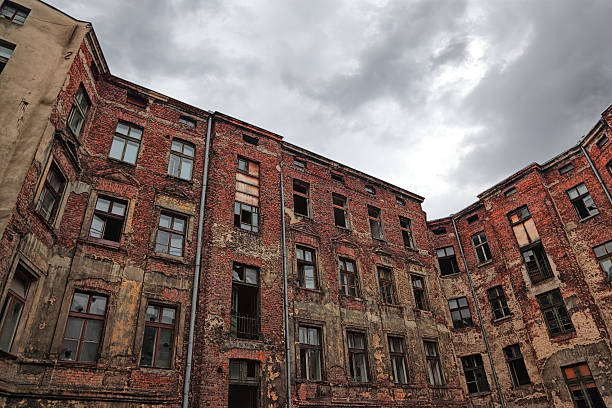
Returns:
<point x="103" y="243"/>
<point x="489" y="262"/>
<point x="588" y="218"/>
<point x="170" y="258"/>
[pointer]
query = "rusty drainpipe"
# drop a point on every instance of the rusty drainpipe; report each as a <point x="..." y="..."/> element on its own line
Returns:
<point x="198" y="265"/>
<point x="596" y="172"/>
<point x="286" y="304"/>
<point x="482" y="328"/>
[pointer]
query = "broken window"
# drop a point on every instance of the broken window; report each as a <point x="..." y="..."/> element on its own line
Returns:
<point x="555" y="314"/>
<point x="158" y="338"/>
<point x="51" y="193"/>
<point x="126" y="143"/>
<point x="481" y="246"/>
<point x="340" y="210"/>
<point x="170" y="234"/>
<point x="399" y="372"/>
<point x="566" y="169"/>
<point x="439" y="231"/>
<point x="447" y="261"/>
<point x="187" y="121"/>
<point x="246" y="208"/>
<point x="358" y="361"/>
<point x="108" y="218"/>
<point x="181" y="159"/>
<point x="475" y="375"/>
<point x="460" y="313"/>
<point x="310" y="353"/>
<point x="6" y="50"/>
<point x="472" y="219"/>
<point x="14" y="12"/>
<point x="78" y="112"/>
<point x="516" y="365"/>
<point x="434" y="370"/>
<point x="582" y="386"/>
<point x="523" y="226"/>
<point x="337" y="176"/>
<point x="497" y="298"/>
<point x="84" y="328"/>
<point x="400" y="201"/>
<point x="385" y="283"/>
<point x="582" y="201"/>
<point x="536" y="262"/>
<point x="406" y="229"/>
<point x="13" y="306"/>
<point x="370" y="189"/>
<point x="348" y="277"/>
<point x="375" y="222"/>
<point x="243" y="384"/>
<point x="245" y="302"/>
<point x="136" y="99"/>
<point x="301" y="191"/>
<point x="306" y="267"/>
<point x="603" y="253"/>
<point x="250" y="140"/>
<point x="418" y="289"/>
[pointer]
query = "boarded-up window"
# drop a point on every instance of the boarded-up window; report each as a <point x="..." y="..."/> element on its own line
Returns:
<point x="246" y="209"/>
<point x="523" y="226"/>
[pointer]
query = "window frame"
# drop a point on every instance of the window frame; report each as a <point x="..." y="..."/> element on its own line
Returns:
<point x="542" y="270"/>
<point x="21" y="272"/>
<point x="481" y="247"/>
<point x="423" y="291"/>
<point x="462" y="323"/>
<point x="241" y="208"/>
<point x="582" y="382"/>
<point x="301" y="263"/>
<point x="406" y="231"/>
<point x="454" y="265"/>
<point x="181" y="157"/>
<point x="57" y="196"/>
<point x="80" y="110"/>
<point x="345" y="287"/>
<point x="581" y="199"/>
<point x="344" y="210"/>
<point x="158" y="325"/>
<point x="18" y="8"/>
<point x="514" y="357"/>
<point x="386" y="286"/>
<point x="108" y="214"/>
<point x="433" y="359"/>
<point x="305" y="196"/>
<point x="126" y="139"/>
<point x="353" y="351"/>
<point x="395" y="356"/>
<point x="3" y="58"/>
<point x="498" y="302"/>
<point x="170" y="231"/>
<point x="307" y="347"/>
<point x="556" y="304"/>
<point x="474" y="365"/>
<point x="606" y="256"/>
<point x="375" y="220"/>
<point x="255" y="332"/>
<point x="253" y="383"/>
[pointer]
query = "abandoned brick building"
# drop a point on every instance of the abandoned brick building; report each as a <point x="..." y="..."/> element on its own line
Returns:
<point x="307" y="275"/>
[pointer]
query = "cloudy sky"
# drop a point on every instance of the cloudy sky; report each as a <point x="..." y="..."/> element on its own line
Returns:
<point x="441" y="97"/>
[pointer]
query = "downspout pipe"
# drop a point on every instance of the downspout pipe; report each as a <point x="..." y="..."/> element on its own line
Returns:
<point x="476" y="304"/>
<point x="596" y="173"/>
<point x="286" y="304"/>
<point x="198" y="266"/>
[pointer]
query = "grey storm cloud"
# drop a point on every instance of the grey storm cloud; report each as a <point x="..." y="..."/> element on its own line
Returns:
<point x="443" y="97"/>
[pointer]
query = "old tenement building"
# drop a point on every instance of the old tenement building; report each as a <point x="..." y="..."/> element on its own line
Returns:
<point x="117" y="201"/>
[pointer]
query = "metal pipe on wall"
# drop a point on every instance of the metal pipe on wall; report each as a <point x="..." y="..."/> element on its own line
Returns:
<point x="286" y="303"/>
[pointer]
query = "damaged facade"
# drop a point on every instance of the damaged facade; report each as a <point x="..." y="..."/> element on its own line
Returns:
<point x="507" y="302"/>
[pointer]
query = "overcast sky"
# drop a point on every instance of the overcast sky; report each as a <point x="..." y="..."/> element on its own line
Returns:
<point x="441" y="97"/>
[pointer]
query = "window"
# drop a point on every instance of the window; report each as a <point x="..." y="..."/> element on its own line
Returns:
<point x="523" y="226"/>
<point x="555" y="314"/>
<point x="245" y="302"/>
<point x="602" y="141"/>
<point x="370" y="189"/>
<point x="439" y="231"/>
<point x="250" y="139"/>
<point x="472" y="219"/>
<point x="243" y="384"/>
<point x="157" y="342"/>
<point x="310" y="352"/>
<point x="385" y="283"/>
<point x="481" y="246"/>
<point x="497" y="298"/>
<point x="418" y="289"/>
<point x="566" y="169"/>
<point x="14" y="12"/>
<point x="398" y="360"/>
<point x="181" y="159"/>
<point x="340" y="210"/>
<point x="510" y="192"/>
<point x="170" y="234"/>
<point x="406" y="229"/>
<point x="447" y="261"/>
<point x="536" y="262"/>
<point x="582" y="386"/>
<point x="78" y="112"/>
<point x="301" y="191"/>
<point x="475" y="375"/>
<point x="6" y="50"/>
<point x="348" y="277"/>
<point x="337" y="176"/>
<point x="126" y="143"/>
<point x="434" y="371"/>
<point x="246" y="208"/>
<point x="306" y="267"/>
<point x="187" y="121"/>
<point x="516" y="365"/>
<point x="603" y="253"/>
<point x="460" y="313"/>
<point x="399" y="200"/>
<point x="299" y="163"/>
<point x="13" y="307"/>
<point x="358" y="361"/>
<point x="375" y="222"/>
<point x="84" y="328"/>
<point x="107" y="222"/>
<point x="51" y="194"/>
<point x="136" y="99"/>
<point x="582" y="201"/>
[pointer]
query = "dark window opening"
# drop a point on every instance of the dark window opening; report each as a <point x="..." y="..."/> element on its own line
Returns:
<point x="245" y="302"/>
<point x="375" y="222"/>
<point x="340" y="211"/>
<point x="310" y="353"/>
<point x="301" y="191"/>
<point x="51" y="194"/>
<point x="137" y="100"/>
<point x="555" y="314"/>
<point x="243" y="384"/>
<point x="299" y="163"/>
<point x="349" y="285"/>
<point x="582" y="201"/>
<point x="14" y="12"/>
<point x="510" y="192"/>
<point x="399" y="372"/>
<point x="400" y="201"/>
<point x="94" y="70"/>
<point x="566" y="169"/>
<point x="418" y="289"/>
<point x="370" y="189"/>
<point x="481" y="246"/>
<point x="460" y="313"/>
<point x="472" y="219"/>
<point x="602" y="141"/>
<point x="516" y="365"/>
<point x="78" y="112"/>
<point x="439" y="231"/>
<point x="497" y="298"/>
<point x="250" y="139"/>
<point x="306" y="267"/>
<point x="536" y="262"/>
<point x="108" y="218"/>
<point x="246" y="217"/>
<point x="6" y="50"/>
<point x="447" y="261"/>
<point x="475" y="375"/>
<point x="187" y="121"/>
<point x="406" y="229"/>
<point x="432" y="358"/>
<point x="603" y="253"/>
<point x="13" y="306"/>
<point x="385" y="283"/>
<point x="582" y="386"/>
<point x="337" y="176"/>
<point x="358" y="360"/>
<point x="158" y="338"/>
<point x="84" y="328"/>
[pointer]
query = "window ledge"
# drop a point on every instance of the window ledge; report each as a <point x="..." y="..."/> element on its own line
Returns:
<point x="541" y="281"/>
<point x="81" y="364"/>
<point x="451" y="275"/>
<point x="170" y="258"/>
<point x="303" y="217"/>
<point x="343" y="229"/>
<point x="480" y="265"/>
<point x="438" y="387"/>
<point x="353" y="383"/>
<point x="479" y="394"/>
<point x="7" y="355"/>
<point x="112" y="159"/>
<point x="563" y="337"/>
<point x="392" y="305"/>
<point x="317" y="291"/>
<point x="352" y="298"/>
<point x="422" y="311"/>
<point x="411" y="249"/>
<point x="180" y="180"/>
<point x="103" y="243"/>
<point x="502" y="319"/>
<point x="588" y="218"/>
<point x="156" y="370"/>
<point x="379" y="240"/>
<point x="255" y="234"/>
<point x="306" y="381"/>
<point x="464" y="329"/>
